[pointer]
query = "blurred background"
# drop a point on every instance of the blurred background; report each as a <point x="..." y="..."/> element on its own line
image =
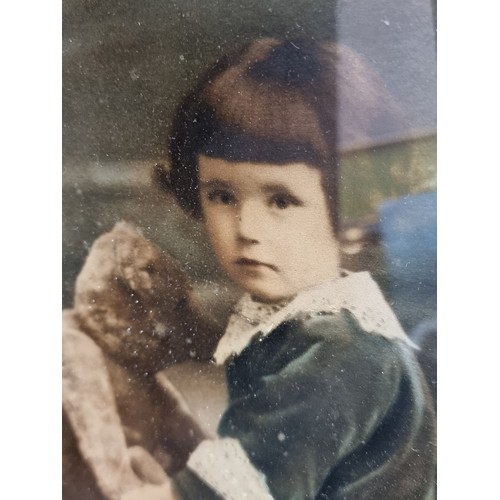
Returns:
<point x="127" y="64"/>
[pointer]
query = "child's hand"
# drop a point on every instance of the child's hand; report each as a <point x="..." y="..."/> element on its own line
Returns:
<point x="157" y="484"/>
<point x="152" y="492"/>
<point x="145" y="466"/>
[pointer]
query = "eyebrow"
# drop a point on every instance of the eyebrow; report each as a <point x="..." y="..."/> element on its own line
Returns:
<point x="215" y="183"/>
<point x="267" y="188"/>
<point x="272" y="188"/>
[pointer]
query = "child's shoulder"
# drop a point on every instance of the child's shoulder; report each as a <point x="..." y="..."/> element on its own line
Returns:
<point x="335" y="347"/>
<point x="341" y="334"/>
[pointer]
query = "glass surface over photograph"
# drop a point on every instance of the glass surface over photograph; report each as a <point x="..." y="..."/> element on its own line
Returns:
<point x="249" y="250"/>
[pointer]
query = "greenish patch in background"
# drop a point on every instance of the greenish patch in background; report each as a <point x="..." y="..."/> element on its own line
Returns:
<point x="369" y="177"/>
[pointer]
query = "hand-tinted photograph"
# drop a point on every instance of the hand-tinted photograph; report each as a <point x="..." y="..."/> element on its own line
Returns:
<point x="249" y="250"/>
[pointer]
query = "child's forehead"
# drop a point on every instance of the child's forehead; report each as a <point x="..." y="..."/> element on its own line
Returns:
<point x="241" y="172"/>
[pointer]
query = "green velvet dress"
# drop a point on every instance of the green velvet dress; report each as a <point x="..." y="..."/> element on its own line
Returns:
<point x="325" y="410"/>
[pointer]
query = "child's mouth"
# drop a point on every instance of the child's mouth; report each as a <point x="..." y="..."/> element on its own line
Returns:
<point x="254" y="263"/>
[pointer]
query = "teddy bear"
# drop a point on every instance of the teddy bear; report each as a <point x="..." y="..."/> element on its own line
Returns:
<point x="135" y="312"/>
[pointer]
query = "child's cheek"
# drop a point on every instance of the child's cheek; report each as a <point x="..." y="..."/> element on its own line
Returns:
<point x="220" y="233"/>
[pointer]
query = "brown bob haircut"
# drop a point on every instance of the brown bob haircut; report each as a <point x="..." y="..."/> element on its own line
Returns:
<point x="278" y="102"/>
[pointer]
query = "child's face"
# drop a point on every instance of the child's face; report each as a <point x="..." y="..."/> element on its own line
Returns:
<point x="269" y="225"/>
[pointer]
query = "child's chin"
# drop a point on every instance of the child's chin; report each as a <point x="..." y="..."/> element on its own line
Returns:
<point x="264" y="288"/>
<point x="270" y="296"/>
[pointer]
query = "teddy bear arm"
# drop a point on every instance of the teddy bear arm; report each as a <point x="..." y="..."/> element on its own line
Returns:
<point x="88" y="402"/>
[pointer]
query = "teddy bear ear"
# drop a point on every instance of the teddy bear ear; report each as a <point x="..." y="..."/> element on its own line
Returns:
<point x="161" y="176"/>
<point x="128" y="227"/>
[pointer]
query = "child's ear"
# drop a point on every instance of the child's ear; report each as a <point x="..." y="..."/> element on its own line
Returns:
<point x="161" y="177"/>
<point x="350" y="240"/>
<point x="355" y="238"/>
<point x="351" y="248"/>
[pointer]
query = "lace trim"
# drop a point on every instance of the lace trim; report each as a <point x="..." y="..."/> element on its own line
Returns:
<point x="246" y="320"/>
<point x="225" y="467"/>
<point x="356" y="292"/>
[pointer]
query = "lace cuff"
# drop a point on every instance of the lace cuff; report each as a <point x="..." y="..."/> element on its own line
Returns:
<point x="225" y="467"/>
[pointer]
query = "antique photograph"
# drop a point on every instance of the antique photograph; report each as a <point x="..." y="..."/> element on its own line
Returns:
<point x="249" y="303"/>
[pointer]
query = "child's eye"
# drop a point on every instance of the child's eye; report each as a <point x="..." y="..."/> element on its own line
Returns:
<point x="283" y="201"/>
<point x="221" y="196"/>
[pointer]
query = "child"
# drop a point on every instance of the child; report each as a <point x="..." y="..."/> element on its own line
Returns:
<point x="326" y="399"/>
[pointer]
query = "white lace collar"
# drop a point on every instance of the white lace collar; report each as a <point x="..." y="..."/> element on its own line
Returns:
<point x="356" y="292"/>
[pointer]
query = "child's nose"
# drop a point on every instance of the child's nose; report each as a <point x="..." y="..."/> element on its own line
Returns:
<point x="250" y="219"/>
